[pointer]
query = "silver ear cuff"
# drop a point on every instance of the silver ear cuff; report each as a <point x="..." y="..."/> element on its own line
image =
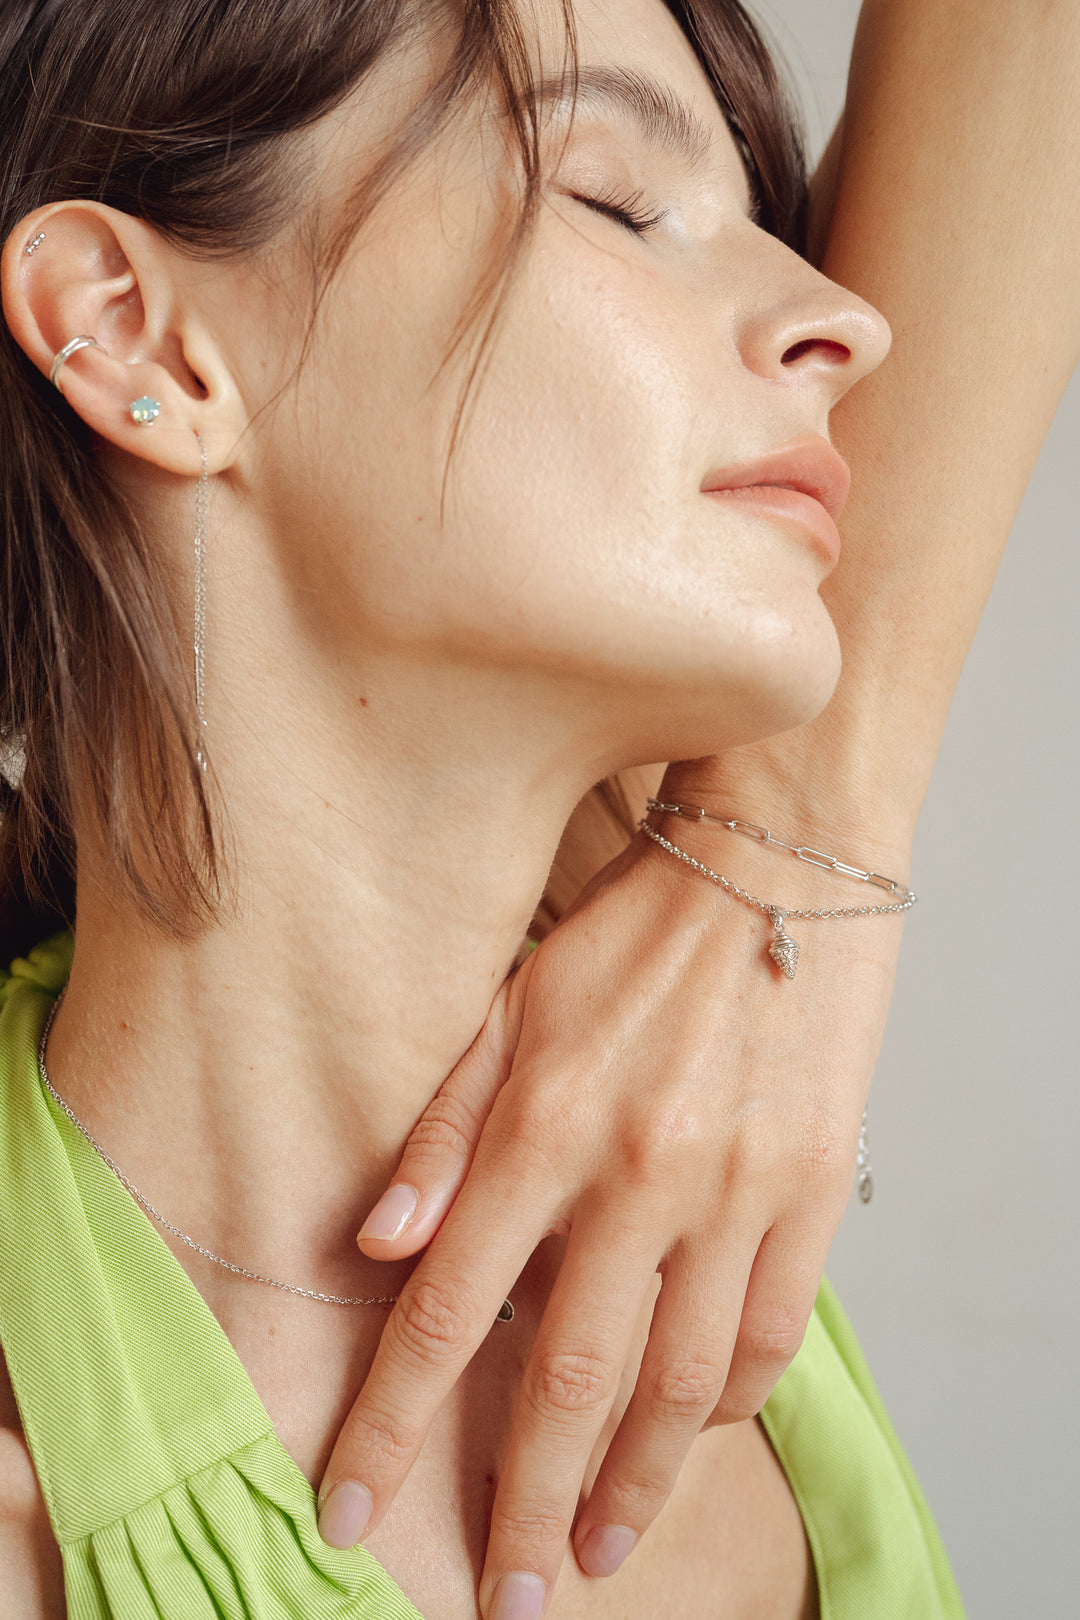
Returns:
<point x="32" y="247"/>
<point x="72" y="346"/>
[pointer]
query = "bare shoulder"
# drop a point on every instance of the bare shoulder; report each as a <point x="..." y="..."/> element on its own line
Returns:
<point x="29" y="1555"/>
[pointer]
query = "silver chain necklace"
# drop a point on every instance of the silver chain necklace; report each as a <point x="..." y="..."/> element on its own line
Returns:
<point x="506" y="1310"/>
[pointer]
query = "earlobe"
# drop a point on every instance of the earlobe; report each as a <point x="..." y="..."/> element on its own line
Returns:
<point x="96" y="300"/>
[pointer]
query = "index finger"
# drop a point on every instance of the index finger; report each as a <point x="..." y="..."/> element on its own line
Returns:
<point x="443" y="1314"/>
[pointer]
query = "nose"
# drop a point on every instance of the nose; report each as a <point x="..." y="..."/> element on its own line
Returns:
<point x="802" y="328"/>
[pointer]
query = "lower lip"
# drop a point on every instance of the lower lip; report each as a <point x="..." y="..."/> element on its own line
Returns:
<point x="792" y="504"/>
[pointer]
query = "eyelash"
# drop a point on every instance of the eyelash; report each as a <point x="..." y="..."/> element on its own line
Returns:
<point x="626" y="210"/>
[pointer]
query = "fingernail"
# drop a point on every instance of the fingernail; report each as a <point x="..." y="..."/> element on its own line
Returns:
<point x="344" y="1515"/>
<point x="518" y="1597"/>
<point x="392" y="1213"/>
<point x="605" y="1547"/>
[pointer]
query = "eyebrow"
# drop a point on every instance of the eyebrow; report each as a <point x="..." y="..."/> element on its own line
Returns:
<point x="665" y="121"/>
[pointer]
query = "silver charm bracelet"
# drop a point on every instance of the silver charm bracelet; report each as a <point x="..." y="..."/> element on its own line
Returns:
<point x="783" y="949"/>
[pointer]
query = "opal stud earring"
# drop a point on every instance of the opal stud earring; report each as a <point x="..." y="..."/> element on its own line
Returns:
<point x="145" y="410"/>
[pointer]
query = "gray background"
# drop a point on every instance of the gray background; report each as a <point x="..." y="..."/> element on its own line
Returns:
<point x="960" y="1276"/>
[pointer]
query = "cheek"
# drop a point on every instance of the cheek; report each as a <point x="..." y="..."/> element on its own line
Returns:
<point x="575" y="536"/>
<point x="607" y="399"/>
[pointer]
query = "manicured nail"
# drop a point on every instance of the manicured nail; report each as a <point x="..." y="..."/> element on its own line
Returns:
<point x="605" y="1547"/>
<point x="518" y="1597"/>
<point x="392" y="1213"/>
<point x="344" y="1515"/>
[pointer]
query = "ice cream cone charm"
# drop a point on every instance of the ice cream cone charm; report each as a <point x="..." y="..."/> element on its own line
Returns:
<point x="783" y="949"/>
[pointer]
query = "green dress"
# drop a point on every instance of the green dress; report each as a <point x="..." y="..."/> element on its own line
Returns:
<point x="171" y="1496"/>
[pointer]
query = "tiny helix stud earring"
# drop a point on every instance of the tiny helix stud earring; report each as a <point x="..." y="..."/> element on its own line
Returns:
<point x="144" y="410"/>
<point x="32" y="247"/>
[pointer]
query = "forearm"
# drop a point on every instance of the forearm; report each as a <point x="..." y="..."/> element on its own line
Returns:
<point x="950" y="201"/>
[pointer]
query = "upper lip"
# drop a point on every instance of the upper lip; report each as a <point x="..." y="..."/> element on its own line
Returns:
<point x="810" y="465"/>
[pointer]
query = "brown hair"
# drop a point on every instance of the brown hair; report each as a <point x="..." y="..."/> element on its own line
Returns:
<point x="175" y="111"/>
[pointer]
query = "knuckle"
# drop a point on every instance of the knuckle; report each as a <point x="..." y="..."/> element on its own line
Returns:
<point x="732" y="1409"/>
<point x="537" y="1130"/>
<point x="429" y="1322"/>
<point x="634" y="1497"/>
<point x="540" y="1109"/>
<point x="446" y="1126"/>
<point x="774" y="1340"/>
<point x="530" y="1531"/>
<point x="684" y="1389"/>
<point x="568" y="1383"/>
<point x="662" y="1139"/>
<point x="380" y="1439"/>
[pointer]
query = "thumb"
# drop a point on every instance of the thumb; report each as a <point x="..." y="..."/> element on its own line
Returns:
<point x="440" y="1148"/>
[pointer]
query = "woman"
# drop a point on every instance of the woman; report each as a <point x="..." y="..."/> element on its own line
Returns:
<point x="256" y="1054"/>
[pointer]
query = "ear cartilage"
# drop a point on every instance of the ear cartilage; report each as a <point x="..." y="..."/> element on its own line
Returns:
<point x="145" y="410"/>
<point x="32" y="247"/>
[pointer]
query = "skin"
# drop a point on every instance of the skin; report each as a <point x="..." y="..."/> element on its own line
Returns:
<point x="706" y="942"/>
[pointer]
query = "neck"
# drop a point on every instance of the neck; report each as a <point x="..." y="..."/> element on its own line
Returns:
<point x="257" y="1084"/>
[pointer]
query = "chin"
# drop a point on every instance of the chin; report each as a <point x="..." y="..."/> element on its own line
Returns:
<point x="792" y="689"/>
<point x="769" y="686"/>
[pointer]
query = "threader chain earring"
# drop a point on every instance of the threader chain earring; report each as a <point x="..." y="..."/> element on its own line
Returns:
<point x="202" y="502"/>
<point x="145" y="411"/>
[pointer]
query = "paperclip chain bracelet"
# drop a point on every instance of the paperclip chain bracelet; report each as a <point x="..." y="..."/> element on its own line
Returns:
<point x="783" y="949"/>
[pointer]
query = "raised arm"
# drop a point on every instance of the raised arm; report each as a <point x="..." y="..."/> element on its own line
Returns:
<point x="950" y="201"/>
<point x="949" y="197"/>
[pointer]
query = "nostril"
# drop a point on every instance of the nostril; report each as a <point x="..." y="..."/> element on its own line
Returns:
<point x="831" y="350"/>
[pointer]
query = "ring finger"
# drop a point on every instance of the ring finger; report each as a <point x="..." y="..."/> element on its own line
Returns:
<point x="682" y="1377"/>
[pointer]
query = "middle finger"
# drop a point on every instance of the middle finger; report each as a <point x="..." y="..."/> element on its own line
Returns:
<point x="570" y="1383"/>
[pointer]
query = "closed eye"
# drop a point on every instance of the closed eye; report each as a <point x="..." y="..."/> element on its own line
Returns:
<point x="628" y="211"/>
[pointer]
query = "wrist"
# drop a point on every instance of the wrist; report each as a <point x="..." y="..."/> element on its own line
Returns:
<point x="806" y="795"/>
<point x="771" y="892"/>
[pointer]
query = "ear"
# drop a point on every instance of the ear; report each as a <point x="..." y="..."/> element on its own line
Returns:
<point x="97" y="272"/>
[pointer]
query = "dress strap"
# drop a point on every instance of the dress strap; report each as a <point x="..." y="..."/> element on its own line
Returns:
<point x="124" y="1378"/>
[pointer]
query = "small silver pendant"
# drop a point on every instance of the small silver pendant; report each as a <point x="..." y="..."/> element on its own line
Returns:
<point x="506" y="1312"/>
<point x="862" y="1163"/>
<point x="784" y="950"/>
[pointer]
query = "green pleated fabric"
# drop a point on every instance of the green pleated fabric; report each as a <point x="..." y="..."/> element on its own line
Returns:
<point x="171" y="1496"/>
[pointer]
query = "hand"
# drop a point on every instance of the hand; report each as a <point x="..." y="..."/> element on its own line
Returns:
<point x="646" y="1084"/>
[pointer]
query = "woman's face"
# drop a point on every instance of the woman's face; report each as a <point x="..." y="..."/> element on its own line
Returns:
<point x="652" y="335"/>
